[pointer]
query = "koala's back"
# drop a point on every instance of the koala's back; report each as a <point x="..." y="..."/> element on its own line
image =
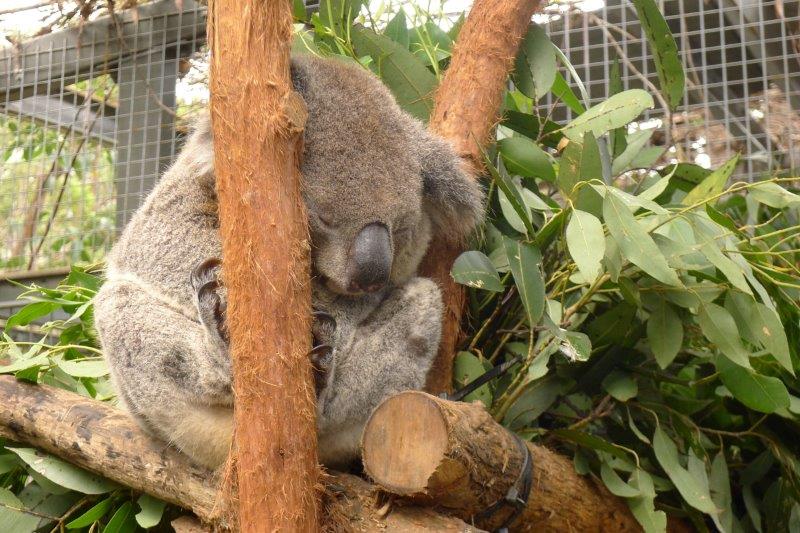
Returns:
<point x="176" y="227"/>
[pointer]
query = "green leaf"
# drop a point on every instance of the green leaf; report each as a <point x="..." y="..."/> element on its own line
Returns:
<point x="710" y="248"/>
<point x="524" y="260"/>
<point x="713" y="184"/>
<point x="524" y="158"/>
<point x="475" y="270"/>
<point x="665" y="51"/>
<point x="761" y="326"/>
<point x="397" y="30"/>
<point x="513" y="196"/>
<point x="635" y="243"/>
<point x="575" y="346"/>
<point x="621" y="386"/>
<point x="29" y="313"/>
<point x="564" y="92"/>
<point x="409" y="80"/>
<point x="615" y="484"/>
<point x="634" y="144"/>
<point x="719" y="327"/>
<point x="760" y="393"/>
<point x="152" y="509"/>
<point x="95" y="513"/>
<point x="88" y="368"/>
<point x="62" y="473"/>
<point x="466" y="368"/>
<point x="586" y="243"/>
<point x="579" y="162"/>
<point x="642" y="507"/>
<point x="123" y="520"/>
<point x="535" y="67"/>
<point x="689" y="488"/>
<point x="720" y="485"/>
<point x="664" y="333"/>
<point x="617" y="111"/>
<point x="773" y="195"/>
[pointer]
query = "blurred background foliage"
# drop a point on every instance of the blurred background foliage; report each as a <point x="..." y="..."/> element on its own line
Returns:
<point x="650" y="305"/>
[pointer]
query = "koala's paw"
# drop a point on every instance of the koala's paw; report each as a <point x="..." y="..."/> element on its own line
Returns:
<point x="210" y="307"/>
<point x="321" y="355"/>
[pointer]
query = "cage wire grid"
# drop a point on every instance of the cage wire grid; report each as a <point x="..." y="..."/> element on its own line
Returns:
<point x="90" y="117"/>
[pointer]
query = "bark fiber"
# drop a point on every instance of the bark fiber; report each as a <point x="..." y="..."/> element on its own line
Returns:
<point x="465" y="111"/>
<point x="257" y="123"/>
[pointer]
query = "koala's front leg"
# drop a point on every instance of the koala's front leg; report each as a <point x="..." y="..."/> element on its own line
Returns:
<point x="210" y="302"/>
<point x="390" y="351"/>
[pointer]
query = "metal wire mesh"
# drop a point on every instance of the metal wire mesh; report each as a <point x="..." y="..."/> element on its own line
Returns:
<point x="89" y="120"/>
<point x="742" y="61"/>
<point x="90" y="116"/>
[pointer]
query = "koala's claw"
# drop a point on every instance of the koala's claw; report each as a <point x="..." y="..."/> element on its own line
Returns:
<point x="321" y="357"/>
<point x="204" y="272"/>
<point x="211" y="307"/>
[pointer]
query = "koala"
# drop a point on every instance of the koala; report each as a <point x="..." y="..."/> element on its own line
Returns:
<point x="377" y="187"/>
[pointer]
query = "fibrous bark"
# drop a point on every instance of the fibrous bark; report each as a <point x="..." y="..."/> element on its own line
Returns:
<point x="465" y="112"/>
<point x="455" y="456"/>
<point x="257" y="123"/>
<point x="106" y="441"/>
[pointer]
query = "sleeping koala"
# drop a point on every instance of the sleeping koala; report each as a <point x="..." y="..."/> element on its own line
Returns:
<point x="377" y="187"/>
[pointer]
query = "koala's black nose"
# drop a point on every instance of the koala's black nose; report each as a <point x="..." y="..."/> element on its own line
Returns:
<point x="371" y="259"/>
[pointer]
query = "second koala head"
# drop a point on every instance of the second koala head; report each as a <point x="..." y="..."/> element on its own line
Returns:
<point x="377" y="185"/>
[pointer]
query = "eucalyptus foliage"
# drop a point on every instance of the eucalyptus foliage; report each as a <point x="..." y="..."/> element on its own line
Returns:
<point x="653" y="307"/>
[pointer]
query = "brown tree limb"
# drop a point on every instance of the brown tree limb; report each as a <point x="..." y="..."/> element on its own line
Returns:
<point x="456" y="456"/>
<point x="104" y="440"/>
<point x="257" y="124"/>
<point x="465" y="111"/>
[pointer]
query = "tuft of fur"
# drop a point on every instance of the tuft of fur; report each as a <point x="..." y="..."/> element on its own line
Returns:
<point x="365" y="161"/>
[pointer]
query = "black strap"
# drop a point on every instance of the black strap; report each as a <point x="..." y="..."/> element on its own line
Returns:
<point x="518" y="494"/>
<point x="481" y="380"/>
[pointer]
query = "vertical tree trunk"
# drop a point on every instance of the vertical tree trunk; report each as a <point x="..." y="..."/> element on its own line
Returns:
<point x="257" y="123"/>
<point x="465" y="111"/>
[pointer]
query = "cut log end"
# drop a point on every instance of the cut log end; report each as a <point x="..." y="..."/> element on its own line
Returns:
<point x="406" y="465"/>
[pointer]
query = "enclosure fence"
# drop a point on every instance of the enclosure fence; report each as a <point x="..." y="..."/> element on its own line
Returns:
<point x="90" y="116"/>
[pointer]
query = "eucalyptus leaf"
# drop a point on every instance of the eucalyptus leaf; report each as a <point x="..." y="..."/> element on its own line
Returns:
<point x="535" y="67"/>
<point x="466" y="368"/>
<point x="62" y="473"/>
<point x="692" y="492"/>
<point x="615" y="112"/>
<point x="475" y="270"/>
<point x="151" y="511"/>
<point x="671" y="77"/>
<point x="665" y="333"/>
<point x="719" y="327"/>
<point x="758" y="392"/>
<point x="713" y="184"/>
<point x="586" y="243"/>
<point x="409" y="79"/>
<point x="524" y="260"/>
<point x="523" y="157"/>
<point x="635" y="243"/>
<point x="615" y="484"/>
<point x="621" y="386"/>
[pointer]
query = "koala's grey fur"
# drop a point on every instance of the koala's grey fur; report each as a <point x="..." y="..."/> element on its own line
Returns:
<point x="364" y="162"/>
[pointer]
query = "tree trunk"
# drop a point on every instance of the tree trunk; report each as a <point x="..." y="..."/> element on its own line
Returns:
<point x="456" y="456"/>
<point x="104" y="440"/>
<point x="465" y="112"/>
<point x="257" y="123"/>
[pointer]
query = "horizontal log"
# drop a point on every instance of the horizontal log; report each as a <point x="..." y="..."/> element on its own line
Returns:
<point x="106" y="441"/>
<point x="456" y="456"/>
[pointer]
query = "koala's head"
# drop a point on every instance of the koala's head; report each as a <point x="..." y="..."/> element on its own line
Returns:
<point x="377" y="185"/>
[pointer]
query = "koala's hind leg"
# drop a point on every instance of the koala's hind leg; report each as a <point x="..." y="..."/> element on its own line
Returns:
<point x="170" y="374"/>
<point x="390" y="351"/>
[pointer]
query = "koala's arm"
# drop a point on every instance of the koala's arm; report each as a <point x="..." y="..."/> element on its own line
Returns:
<point x="392" y="350"/>
<point x="170" y="372"/>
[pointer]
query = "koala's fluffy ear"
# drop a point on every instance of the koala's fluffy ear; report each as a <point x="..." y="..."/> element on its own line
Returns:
<point x="453" y="199"/>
